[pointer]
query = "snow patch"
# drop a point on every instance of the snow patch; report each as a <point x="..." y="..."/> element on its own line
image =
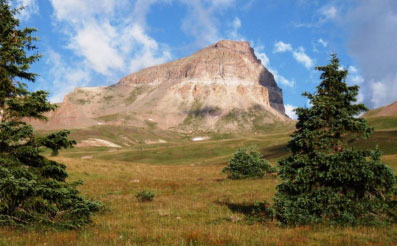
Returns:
<point x="200" y="138"/>
<point x="96" y="142"/>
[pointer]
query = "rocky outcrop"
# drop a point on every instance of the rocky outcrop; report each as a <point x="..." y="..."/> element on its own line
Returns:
<point x="223" y="86"/>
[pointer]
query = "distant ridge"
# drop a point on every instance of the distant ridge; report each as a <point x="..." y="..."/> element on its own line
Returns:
<point x="386" y="111"/>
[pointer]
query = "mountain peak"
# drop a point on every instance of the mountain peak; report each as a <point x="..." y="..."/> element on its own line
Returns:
<point x="221" y="87"/>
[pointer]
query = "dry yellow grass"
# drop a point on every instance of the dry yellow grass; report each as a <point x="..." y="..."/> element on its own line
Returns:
<point x="188" y="209"/>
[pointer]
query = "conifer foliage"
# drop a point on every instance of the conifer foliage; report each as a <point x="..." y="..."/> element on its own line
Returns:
<point x="33" y="190"/>
<point x="326" y="180"/>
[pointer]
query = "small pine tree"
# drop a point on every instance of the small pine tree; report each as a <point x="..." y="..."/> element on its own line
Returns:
<point x="326" y="180"/>
<point x="247" y="163"/>
<point x="33" y="189"/>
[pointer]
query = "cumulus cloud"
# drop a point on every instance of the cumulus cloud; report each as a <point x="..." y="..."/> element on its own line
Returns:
<point x="280" y="47"/>
<point x="31" y="8"/>
<point x="109" y="43"/>
<point x="373" y="34"/>
<point x="301" y="57"/>
<point x="289" y="110"/>
<point x="299" y="54"/>
<point x="95" y="43"/>
<point x="108" y="39"/>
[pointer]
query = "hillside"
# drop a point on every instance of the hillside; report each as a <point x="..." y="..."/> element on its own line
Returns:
<point x="386" y="111"/>
<point x="219" y="88"/>
<point x="383" y="118"/>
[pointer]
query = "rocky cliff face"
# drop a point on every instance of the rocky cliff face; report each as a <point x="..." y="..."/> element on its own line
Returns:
<point x="223" y="86"/>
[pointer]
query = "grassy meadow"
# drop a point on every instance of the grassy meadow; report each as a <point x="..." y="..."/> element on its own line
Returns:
<point x="194" y="203"/>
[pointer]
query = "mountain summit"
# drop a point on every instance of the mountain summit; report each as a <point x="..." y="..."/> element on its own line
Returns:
<point x="221" y="87"/>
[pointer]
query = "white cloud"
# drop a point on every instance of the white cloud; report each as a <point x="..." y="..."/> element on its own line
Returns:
<point x="266" y="62"/>
<point x="328" y="12"/>
<point x="280" y="47"/>
<point x="64" y="76"/>
<point x="323" y="15"/>
<point x="322" y="42"/>
<point x="76" y="10"/>
<point x="301" y="57"/>
<point x="352" y="69"/>
<point x="31" y="8"/>
<point x="201" y="22"/>
<point x="281" y="79"/>
<point x="371" y="25"/>
<point x="289" y="110"/>
<point x="360" y="98"/>
<point x="95" y="43"/>
<point x="110" y="43"/>
<point x="383" y="92"/>
<point x="235" y="26"/>
<point x="379" y="90"/>
<point x="357" y="79"/>
<point x="110" y="38"/>
<point x="145" y="57"/>
<point x="299" y="54"/>
<point x="263" y="57"/>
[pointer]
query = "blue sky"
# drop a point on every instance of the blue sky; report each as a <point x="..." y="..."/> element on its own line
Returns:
<point x="97" y="42"/>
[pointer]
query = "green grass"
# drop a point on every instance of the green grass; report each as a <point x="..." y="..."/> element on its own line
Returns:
<point x="194" y="203"/>
<point x="385" y="140"/>
<point x="139" y="90"/>
<point x="383" y="123"/>
<point x="109" y="117"/>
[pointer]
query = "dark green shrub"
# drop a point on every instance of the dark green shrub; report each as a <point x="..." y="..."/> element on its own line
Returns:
<point x="326" y="180"/>
<point x="145" y="196"/>
<point x="247" y="163"/>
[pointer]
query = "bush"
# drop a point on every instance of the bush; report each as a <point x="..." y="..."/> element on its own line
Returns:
<point x="145" y="196"/>
<point x="247" y="163"/>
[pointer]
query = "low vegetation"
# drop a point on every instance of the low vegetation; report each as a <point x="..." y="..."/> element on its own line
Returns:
<point x="145" y="196"/>
<point x="134" y="94"/>
<point x="247" y="163"/>
<point x="194" y="205"/>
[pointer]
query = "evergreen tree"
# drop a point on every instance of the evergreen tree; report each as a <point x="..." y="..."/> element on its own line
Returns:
<point x="327" y="180"/>
<point x="33" y="190"/>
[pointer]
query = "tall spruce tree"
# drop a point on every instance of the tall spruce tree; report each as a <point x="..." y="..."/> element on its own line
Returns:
<point x="33" y="189"/>
<point x="326" y="180"/>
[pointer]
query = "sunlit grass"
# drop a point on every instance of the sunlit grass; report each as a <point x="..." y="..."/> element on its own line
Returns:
<point x="194" y="203"/>
<point x="188" y="209"/>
